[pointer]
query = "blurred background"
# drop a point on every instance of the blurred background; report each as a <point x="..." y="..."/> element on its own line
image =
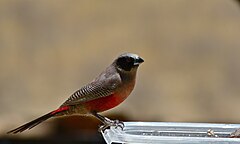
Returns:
<point x="49" y="49"/>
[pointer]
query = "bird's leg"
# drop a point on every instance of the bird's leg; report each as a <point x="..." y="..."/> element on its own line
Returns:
<point x="107" y="122"/>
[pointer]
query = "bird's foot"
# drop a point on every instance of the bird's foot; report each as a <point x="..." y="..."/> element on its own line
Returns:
<point x="109" y="123"/>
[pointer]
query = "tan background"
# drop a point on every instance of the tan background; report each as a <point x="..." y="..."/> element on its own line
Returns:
<point x="49" y="49"/>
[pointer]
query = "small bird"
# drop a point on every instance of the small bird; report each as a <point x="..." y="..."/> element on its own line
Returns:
<point x="106" y="91"/>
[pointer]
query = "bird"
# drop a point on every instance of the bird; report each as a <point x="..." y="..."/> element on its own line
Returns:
<point x="106" y="91"/>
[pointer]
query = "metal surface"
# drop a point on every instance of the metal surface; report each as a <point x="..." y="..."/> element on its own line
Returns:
<point x="172" y="133"/>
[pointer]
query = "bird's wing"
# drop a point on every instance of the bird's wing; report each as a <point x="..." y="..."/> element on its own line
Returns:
<point x="94" y="90"/>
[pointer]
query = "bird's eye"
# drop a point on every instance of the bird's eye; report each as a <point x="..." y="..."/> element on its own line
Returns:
<point x="126" y="63"/>
<point x="129" y="60"/>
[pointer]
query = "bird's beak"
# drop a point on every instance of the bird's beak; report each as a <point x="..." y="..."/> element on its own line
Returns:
<point x="138" y="61"/>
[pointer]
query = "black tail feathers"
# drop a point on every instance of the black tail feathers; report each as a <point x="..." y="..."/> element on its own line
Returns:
<point x="37" y="121"/>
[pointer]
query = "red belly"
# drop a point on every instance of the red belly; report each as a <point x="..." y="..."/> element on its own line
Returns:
<point x="104" y="103"/>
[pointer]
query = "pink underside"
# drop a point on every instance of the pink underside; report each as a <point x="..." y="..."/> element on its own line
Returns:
<point x="104" y="103"/>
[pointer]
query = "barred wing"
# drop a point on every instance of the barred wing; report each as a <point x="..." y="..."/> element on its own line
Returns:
<point x="89" y="92"/>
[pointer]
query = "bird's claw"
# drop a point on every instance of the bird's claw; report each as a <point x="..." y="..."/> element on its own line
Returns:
<point x="109" y="123"/>
<point x="119" y="124"/>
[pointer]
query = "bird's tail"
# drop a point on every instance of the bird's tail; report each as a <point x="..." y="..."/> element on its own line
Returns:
<point x="37" y="121"/>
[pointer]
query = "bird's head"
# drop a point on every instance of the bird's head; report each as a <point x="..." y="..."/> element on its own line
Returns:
<point x="128" y="62"/>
